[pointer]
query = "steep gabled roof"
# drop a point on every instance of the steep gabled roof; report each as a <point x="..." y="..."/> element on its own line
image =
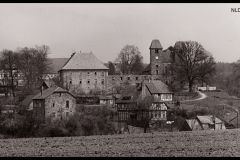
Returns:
<point x="80" y="61"/>
<point x="155" y="44"/>
<point x="50" y="91"/>
<point x="156" y="87"/>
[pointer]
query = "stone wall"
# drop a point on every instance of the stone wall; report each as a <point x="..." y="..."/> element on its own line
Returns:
<point x="84" y="80"/>
<point x="117" y="80"/>
<point x="59" y="108"/>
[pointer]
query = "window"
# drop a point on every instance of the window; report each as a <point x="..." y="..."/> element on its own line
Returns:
<point x="156" y="71"/>
<point x="53" y="114"/>
<point x="67" y="104"/>
<point x="88" y="73"/>
<point x="70" y="82"/>
<point x="95" y="73"/>
<point x="102" y="81"/>
<point x="156" y="66"/>
<point x="88" y="81"/>
<point x="53" y="104"/>
<point x="60" y="94"/>
<point x="67" y="114"/>
<point x="166" y="82"/>
<point x="121" y="78"/>
<point x="102" y="73"/>
<point x="156" y="50"/>
<point x="80" y="82"/>
<point x="136" y="78"/>
<point x="128" y="78"/>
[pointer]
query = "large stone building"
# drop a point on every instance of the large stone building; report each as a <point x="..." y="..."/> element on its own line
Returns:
<point x="83" y="73"/>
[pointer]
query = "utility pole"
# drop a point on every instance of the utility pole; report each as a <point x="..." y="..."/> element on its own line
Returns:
<point x="214" y="122"/>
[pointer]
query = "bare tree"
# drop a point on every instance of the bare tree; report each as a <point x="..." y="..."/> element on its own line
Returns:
<point x="192" y="62"/>
<point x="130" y="59"/>
<point x="8" y="64"/>
<point x="33" y="64"/>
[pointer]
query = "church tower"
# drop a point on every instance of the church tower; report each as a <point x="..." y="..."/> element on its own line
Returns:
<point x="156" y="54"/>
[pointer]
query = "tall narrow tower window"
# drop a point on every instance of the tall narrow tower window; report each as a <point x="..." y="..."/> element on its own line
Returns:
<point x="156" y="50"/>
<point x="156" y="71"/>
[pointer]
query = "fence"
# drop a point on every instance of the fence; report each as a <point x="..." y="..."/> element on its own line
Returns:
<point x="208" y="88"/>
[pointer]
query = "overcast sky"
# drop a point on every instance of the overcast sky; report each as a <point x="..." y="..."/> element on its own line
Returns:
<point x="105" y="28"/>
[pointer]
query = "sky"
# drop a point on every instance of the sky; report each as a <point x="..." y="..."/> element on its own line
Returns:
<point x="104" y="29"/>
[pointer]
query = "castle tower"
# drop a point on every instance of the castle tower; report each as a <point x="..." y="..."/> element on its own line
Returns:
<point x="156" y="54"/>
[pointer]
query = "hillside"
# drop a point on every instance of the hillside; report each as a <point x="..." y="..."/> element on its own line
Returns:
<point x="201" y="143"/>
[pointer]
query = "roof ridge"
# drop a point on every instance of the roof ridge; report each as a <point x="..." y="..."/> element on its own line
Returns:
<point x="68" y="60"/>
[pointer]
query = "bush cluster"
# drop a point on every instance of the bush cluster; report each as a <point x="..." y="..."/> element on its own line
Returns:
<point x="88" y="121"/>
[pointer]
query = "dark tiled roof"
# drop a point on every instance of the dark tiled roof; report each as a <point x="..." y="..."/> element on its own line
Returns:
<point x="106" y="97"/>
<point x="83" y="61"/>
<point x="49" y="83"/>
<point x="49" y="91"/>
<point x="166" y="56"/>
<point x="155" y="44"/>
<point x="157" y="86"/>
<point x="55" y="64"/>
<point x="26" y="102"/>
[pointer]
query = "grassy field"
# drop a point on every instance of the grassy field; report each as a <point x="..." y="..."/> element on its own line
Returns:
<point x="218" y="103"/>
<point x="201" y="143"/>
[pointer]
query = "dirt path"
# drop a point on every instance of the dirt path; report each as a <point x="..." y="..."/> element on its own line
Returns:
<point x="202" y="96"/>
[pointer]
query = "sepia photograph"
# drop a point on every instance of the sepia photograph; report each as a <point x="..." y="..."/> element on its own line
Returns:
<point x="119" y="79"/>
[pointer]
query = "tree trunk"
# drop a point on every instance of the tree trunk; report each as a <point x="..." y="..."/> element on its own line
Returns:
<point x="190" y="85"/>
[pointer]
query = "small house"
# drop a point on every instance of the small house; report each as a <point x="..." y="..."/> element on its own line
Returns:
<point x="206" y="122"/>
<point x="54" y="103"/>
<point x="107" y="100"/>
<point x="157" y="89"/>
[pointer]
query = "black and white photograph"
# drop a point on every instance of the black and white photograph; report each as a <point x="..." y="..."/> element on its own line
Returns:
<point x="119" y="79"/>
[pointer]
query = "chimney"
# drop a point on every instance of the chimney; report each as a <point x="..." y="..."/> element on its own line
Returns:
<point x="41" y="90"/>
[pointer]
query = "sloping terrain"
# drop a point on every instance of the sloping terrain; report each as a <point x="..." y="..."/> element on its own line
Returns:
<point x="201" y="143"/>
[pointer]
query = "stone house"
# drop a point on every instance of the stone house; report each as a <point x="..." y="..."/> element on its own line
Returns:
<point x="83" y="72"/>
<point x="53" y="103"/>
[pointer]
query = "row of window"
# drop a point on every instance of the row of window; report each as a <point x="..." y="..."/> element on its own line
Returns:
<point x="66" y="105"/>
<point x="95" y="73"/>
<point x="88" y="81"/>
<point x="128" y="78"/>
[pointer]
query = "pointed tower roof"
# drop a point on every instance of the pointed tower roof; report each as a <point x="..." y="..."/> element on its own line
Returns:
<point x="155" y="44"/>
<point x="83" y="61"/>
